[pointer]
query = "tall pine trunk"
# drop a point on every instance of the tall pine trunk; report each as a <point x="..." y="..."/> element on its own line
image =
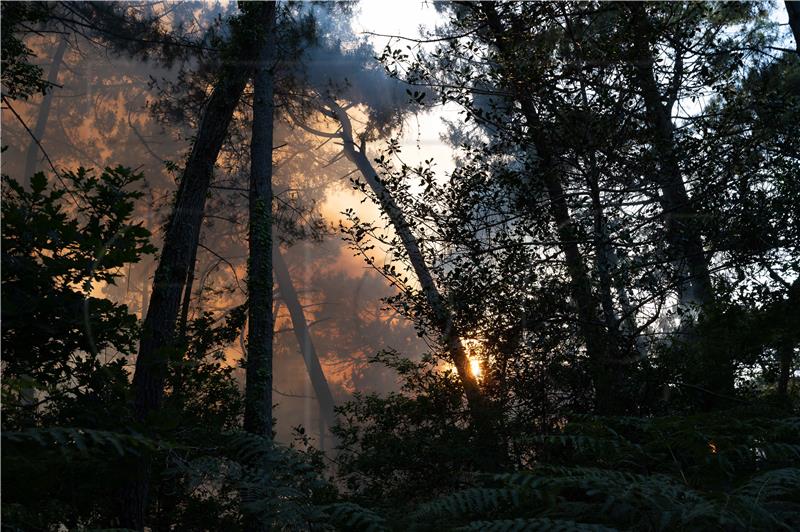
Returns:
<point x="604" y="371"/>
<point x="31" y="158"/>
<point x="679" y="215"/>
<point x="258" y="389"/>
<point x="711" y="372"/>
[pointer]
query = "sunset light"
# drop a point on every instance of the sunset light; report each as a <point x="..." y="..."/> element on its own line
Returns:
<point x="475" y="367"/>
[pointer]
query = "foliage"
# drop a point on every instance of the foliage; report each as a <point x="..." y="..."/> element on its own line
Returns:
<point x="405" y="445"/>
<point x="21" y="78"/>
<point x="59" y="244"/>
<point x="734" y="470"/>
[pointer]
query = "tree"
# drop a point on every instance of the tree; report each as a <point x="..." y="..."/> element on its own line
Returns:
<point x="159" y="328"/>
<point x="258" y="403"/>
<point x="301" y="331"/>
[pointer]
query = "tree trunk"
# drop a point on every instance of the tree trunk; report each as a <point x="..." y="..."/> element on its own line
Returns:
<point x="303" y="335"/>
<point x="31" y="159"/>
<point x="785" y="356"/>
<point x="442" y="318"/>
<point x="28" y="394"/>
<point x="789" y="342"/>
<point x="187" y="299"/>
<point x="258" y="389"/>
<point x="180" y="242"/>
<point x="604" y="372"/>
<point x="695" y="291"/>
<point x="683" y="238"/>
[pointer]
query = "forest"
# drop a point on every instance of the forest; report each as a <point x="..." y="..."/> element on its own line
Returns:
<point x="424" y="265"/>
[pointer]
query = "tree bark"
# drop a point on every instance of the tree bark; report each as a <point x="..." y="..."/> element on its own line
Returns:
<point x="31" y="159"/>
<point x="684" y="239"/>
<point x="695" y="291"/>
<point x="785" y="356"/>
<point x="260" y="320"/>
<point x="303" y="335"/>
<point x="604" y="372"/>
<point x="442" y="316"/>
<point x="187" y="299"/>
<point x="180" y="241"/>
<point x="258" y="389"/>
<point x="787" y="345"/>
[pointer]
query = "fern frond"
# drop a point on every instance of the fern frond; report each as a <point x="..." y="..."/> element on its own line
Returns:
<point x="351" y="516"/>
<point x="535" y="525"/>
<point x="82" y="440"/>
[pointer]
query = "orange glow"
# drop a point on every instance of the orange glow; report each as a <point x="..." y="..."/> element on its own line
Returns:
<point x="713" y="447"/>
<point x="475" y="367"/>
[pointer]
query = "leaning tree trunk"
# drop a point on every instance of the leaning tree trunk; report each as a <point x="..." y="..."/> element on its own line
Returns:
<point x="605" y="371"/>
<point x="180" y="242"/>
<point x="31" y="159"/>
<point x="183" y="322"/>
<point x="695" y="291"/>
<point x="442" y="316"/>
<point x="683" y="238"/>
<point x="28" y="394"/>
<point x="303" y="335"/>
<point x="258" y="389"/>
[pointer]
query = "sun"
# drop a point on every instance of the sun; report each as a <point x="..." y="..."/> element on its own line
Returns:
<point x="475" y="367"/>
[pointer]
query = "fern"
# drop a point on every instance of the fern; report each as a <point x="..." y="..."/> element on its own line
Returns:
<point x="536" y="524"/>
<point x="350" y="516"/>
<point x="732" y="471"/>
<point x="471" y="501"/>
<point x="68" y="439"/>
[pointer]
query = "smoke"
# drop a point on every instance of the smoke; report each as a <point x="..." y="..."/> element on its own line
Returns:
<point x="342" y="65"/>
<point x="102" y="116"/>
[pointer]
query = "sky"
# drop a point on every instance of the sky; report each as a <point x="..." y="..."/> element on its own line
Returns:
<point x="422" y="137"/>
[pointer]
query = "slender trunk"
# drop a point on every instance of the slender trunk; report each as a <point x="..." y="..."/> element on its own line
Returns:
<point x="28" y="394"/>
<point x="31" y="159"/>
<point x="629" y="326"/>
<point x="442" y="316"/>
<point x="479" y="410"/>
<point x="258" y="390"/>
<point x="303" y="335"/>
<point x="695" y="291"/>
<point x="260" y="320"/>
<point x="180" y="242"/>
<point x="144" y="295"/>
<point x="604" y="372"/>
<point x="788" y="344"/>
<point x="187" y="299"/>
<point x="785" y="356"/>
<point x="602" y="250"/>
<point x="683" y="237"/>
